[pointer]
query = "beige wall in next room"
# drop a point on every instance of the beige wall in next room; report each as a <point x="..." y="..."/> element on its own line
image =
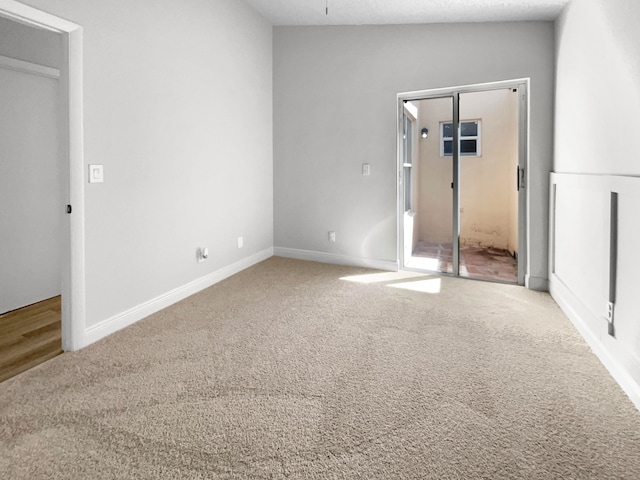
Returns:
<point x="488" y="195"/>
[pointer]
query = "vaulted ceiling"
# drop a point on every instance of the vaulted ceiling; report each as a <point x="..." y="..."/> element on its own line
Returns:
<point x="378" y="12"/>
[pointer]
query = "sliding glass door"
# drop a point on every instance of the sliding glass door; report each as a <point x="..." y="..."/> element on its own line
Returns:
<point x="461" y="183"/>
<point x="427" y="182"/>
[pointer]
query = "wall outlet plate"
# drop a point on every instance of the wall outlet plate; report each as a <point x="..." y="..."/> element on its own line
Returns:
<point x="609" y="313"/>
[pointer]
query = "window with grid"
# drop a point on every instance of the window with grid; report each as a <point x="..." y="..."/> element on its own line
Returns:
<point x="470" y="139"/>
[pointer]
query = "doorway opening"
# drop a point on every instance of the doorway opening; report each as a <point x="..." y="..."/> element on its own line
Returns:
<point x="31" y="199"/>
<point x="71" y="302"/>
<point x="462" y="155"/>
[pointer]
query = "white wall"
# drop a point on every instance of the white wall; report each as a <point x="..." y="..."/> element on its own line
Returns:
<point x="343" y="82"/>
<point x="597" y="105"/>
<point x="598" y="87"/>
<point x="31" y="201"/>
<point x="178" y="108"/>
<point x="30" y="44"/>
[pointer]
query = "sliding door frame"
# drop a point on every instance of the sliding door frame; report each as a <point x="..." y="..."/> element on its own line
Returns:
<point x="522" y="86"/>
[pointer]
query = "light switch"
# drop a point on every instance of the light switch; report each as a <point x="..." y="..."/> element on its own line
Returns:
<point x="366" y="169"/>
<point x="96" y="174"/>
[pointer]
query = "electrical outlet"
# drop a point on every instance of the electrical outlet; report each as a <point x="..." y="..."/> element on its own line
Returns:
<point x="332" y="236"/>
<point x="610" y="312"/>
<point x="240" y="242"/>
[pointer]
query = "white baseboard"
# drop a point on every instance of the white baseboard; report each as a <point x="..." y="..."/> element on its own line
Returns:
<point x="539" y="284"/>
<point x="580" y="317"/>
<point x="124" y="319"/>
<point x="335" y="259"/>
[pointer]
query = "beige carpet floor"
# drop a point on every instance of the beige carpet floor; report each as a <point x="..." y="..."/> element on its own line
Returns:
<point x="289" y="370"/>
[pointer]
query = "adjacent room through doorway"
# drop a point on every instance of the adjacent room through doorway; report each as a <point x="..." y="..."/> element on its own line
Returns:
<point x="32" y="184"/>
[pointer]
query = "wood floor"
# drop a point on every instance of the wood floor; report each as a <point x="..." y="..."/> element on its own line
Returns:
<point x="29" y="336"/>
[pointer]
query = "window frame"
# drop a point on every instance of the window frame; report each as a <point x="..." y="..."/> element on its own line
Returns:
<point x="477" y="138"/>
<point x="409" y="124"/>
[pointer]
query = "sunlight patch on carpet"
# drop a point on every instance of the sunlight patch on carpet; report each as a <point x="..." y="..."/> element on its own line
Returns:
<point x="384" y="277"/>
<point x="431" y="285"/>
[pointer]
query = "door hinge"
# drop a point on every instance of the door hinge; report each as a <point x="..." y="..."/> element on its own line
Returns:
<point x="69" y="209"/>
<point x="520" y="183"/>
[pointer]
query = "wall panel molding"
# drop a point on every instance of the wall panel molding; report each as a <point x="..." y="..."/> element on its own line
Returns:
<point x="589" y="252"/>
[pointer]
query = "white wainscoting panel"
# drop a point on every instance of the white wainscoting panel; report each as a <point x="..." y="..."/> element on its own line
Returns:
<point x="591" y="244"/>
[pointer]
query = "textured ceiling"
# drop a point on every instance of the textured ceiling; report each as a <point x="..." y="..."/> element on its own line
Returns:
<point x="377" y="12"/>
